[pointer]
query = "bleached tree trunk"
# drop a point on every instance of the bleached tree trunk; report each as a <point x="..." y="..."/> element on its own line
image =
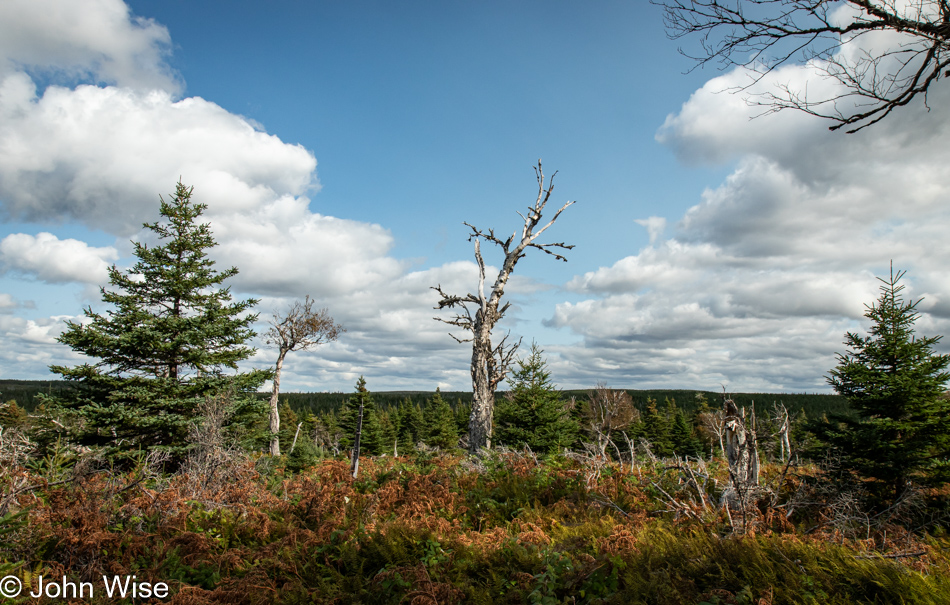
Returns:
<point x="274" y="413"/>
<point x="490" y="363"/>
<point x="355" y="461"/>
<point x="742" y="455"/>
<point x="785" y="446"/>
<point x="296" y="434"/>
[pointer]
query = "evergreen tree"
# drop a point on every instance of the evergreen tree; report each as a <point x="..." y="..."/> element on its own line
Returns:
<point x="289" y="428"/>
<point x="895" y="383"/>
<point x="682" y="438"/>
<point x="411" y="426"/>
<point x="13" y="416"/>
<point x="463" y="411"/>
<point x="165" y="345"/>
<point x="656" y="430"/>
<point x="532" y="413"/>
<point x="441" y="431"/>
<point x="389" y="430"/>
<point x="371" y="437"/>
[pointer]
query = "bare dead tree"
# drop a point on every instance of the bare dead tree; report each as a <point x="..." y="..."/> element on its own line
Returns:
<point x="490" y="363"/>
<point x="355" y="453"/>
<point x="608" y="410"/>
<point x="782" y="421"/>
<point x="299" y="329"/>
<point x="743" y="458"/>
<point x="876" y="77"/>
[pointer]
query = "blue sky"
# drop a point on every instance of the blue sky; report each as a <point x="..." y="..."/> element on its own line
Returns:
<point x="340" y="146"/>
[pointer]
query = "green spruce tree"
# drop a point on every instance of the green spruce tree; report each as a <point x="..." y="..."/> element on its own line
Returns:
<point x="656" y="429"/>
<point x="441" y="431"/>
<point x="533" y="413"/>
<point x="371" y="434"/>
<point x="172" y="337"/>
<point x="411" y="426"/>
<point x="682" y="438"/>
<point x="895" y="383"/>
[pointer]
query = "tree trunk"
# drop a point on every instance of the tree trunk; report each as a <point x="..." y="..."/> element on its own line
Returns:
<point x="483" y="396"/>
<point x="274" y="413"/>
<point x="296" y="434"/>
<point x="742" y="455"/>
<point x="355" y="462"/>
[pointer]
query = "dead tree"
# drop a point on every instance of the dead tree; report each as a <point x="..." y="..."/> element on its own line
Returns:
<point x="608" y="410"/>
<point x="490" y="363"/>
<point x="743" y="457"/>
<point x="355" y="454"/>
<point x="875" y="77"/>
<point x="299" y="329"/>
<point x="781" y="418"/>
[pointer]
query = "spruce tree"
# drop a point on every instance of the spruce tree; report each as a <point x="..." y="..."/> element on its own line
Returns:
<point x="895" y="383"/>
<point x="411" y="425"/>
<point x="167" y="343"/>
<point x="371" y="437"/>
<point x="533" y="413"/>
<point x="682" y="438"/>
<point x="656" y="429"/>
<point x="441" y="431"/>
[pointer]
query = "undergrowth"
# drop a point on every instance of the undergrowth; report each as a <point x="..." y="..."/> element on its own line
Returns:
<point x="445" y="529"/>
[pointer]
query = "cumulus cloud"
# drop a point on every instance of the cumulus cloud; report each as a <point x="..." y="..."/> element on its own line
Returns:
<point x="101" y="156"/>
<point x="50" y="259"/>
<point x="96" y="40"/>
<point x="761" y="279"/>
<point x="98" y="147"/>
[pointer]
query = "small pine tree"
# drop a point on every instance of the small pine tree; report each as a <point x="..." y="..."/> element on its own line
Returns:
<point x="441" y="431"/>
<point x="371" y="438"/>
<point x="656" y="430"/>
<point x="896" y="384"/>
<point x="532" y="413"/>
<point x="289" y="427"/>
<point x="164" y="347"/>
<point x="411" y="426"/>
<point x="389" y="430"/>
<point x="13" y="416"/>
<point x="682" y="438"/>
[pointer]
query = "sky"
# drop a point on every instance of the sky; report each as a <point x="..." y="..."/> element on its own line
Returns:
<point x="340" y="146"/>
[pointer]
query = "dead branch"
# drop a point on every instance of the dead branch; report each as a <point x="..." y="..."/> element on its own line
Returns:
<point x="478" y="313"/>
<point x="875" y="76"/>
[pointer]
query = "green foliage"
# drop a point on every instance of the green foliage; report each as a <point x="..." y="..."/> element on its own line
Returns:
<point x="165" y="345"/>
<point x="288" y="426"/>
<point x="441" y="430"/>
<point x="303" y="456"/>
<point x="532" y="413"/>
<point x="895" y="383"/>
<point x="682" y="436"/>
<point x="656" y="430"/>
<point x="371" y="435"/>
<point x="12" y="415"/>
<point x="10" y="523"/>
<point x="412" y="426"/>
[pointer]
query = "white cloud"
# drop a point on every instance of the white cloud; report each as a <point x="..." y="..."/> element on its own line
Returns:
<point x="764" y="275"/>
<point x="654" y="225"/>
<point x="52" y="260"/>
<point x="93" y="39"/>
<point x="101" y="156"/>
